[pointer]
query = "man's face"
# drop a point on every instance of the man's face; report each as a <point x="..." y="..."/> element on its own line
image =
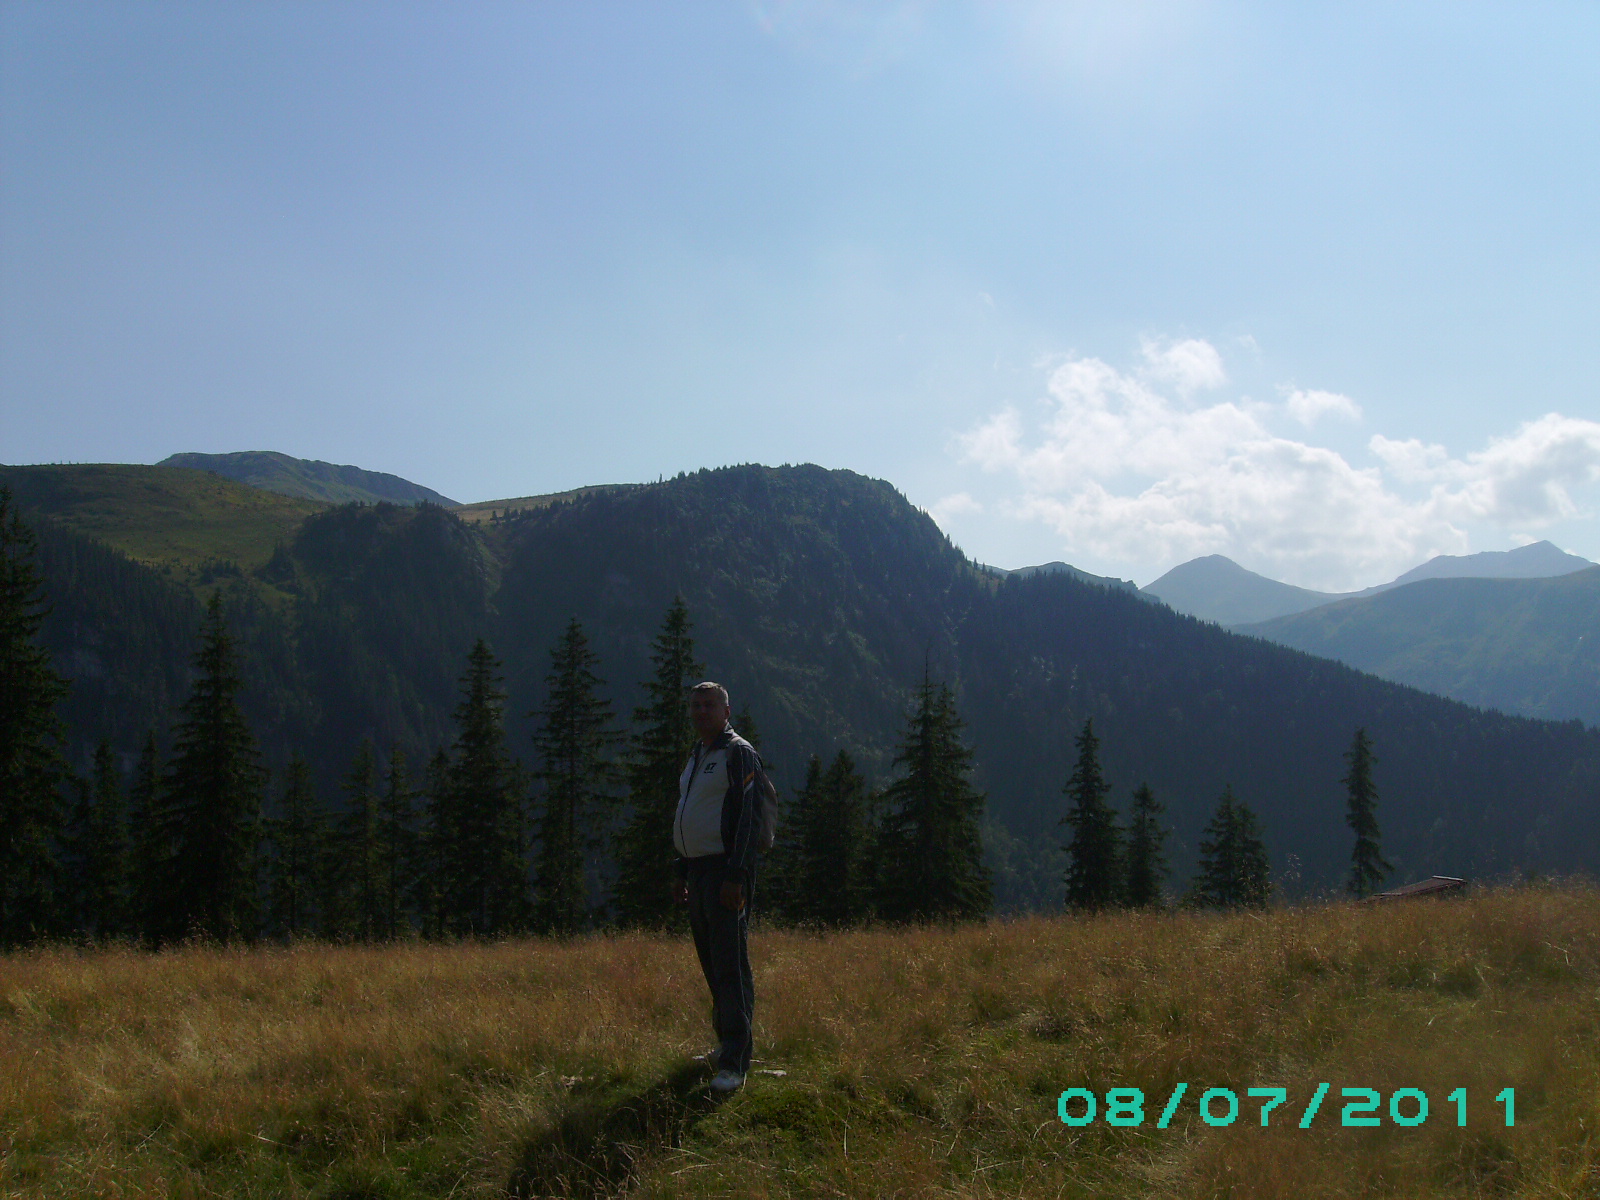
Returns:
<point x="708" y="712"/>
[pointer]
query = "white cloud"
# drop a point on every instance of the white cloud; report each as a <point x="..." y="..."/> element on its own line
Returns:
<point x="1309" y="406"/>
<point x="1190" y="365"/>
<point x="1526" y="478"/>
<point x="1410" y="461"/>
<point x="955" y="505"/>
<point x="1105" y="424"/>
<point x="1129" y="470"/>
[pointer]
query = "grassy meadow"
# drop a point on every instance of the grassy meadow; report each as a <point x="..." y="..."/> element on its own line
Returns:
<point x="164" y="516"/>
<point x="923" y="1062"/>
<point x="479" y="512"/>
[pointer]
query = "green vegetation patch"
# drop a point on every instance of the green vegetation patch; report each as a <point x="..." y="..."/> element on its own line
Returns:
<point x="494" y="511"/>
<point x="191" y="520"/>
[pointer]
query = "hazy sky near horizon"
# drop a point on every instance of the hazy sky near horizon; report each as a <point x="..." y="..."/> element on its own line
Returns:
<point x="1313" y="286"/>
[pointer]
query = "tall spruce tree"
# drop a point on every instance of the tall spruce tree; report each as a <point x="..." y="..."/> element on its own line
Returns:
<point x="516" y="853"/>
<point x="663" y="735"/>
<point x="485" y="874"/>
<point x="777" y="863"/>
<point x="829" y="819"/>
<point x="32" y="770"/>
<point x="360" y="849"/>
<point x="574" y="740"/>
<point x="1234" y="871"/>
<point x="77" y="884"/>
<point x="780" y="866"/>
<point x="211" y="800"/>
<point x="148" y="851"/>
<point x="1094" y="876"/>
<point x="298" y="836"/>
<point x="744" y="724"/>
<point x="433" y="842"/>
<point x="397" y="847"/>
<point x="106" y="877"/>
<point x="1368" y="869"/>
<point x="929" y="849"/>
<point x="1146" y="855"/>
<point x="874" y="874"/>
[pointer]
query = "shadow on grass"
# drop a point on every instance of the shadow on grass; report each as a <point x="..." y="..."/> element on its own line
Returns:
<point x="608" y="1135"/>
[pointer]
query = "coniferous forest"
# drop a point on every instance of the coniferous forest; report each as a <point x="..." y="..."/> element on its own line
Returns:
<point x="480" y="851"/>
<point x="400" y="723"/>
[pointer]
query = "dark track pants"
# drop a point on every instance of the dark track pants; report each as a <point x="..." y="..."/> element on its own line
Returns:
<point x="721" y="939"/>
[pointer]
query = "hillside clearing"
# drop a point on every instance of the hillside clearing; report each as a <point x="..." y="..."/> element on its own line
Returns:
<point x="163" y="516"/>
<point x="901" y="1062"/>
<point x="480" y="512"/>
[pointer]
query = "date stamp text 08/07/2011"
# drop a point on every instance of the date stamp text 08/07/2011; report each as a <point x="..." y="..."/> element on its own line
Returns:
<point x="1220" y="1105"/>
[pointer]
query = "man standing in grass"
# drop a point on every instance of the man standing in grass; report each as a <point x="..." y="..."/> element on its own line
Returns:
<point x="715" y="835"/>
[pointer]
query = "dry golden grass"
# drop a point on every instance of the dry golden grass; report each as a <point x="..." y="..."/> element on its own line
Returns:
<point x="921" y="1062"/>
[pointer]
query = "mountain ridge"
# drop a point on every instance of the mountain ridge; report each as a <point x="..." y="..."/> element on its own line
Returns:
<point x="1537" y="560"/>
<point x="821" y="598"/>
<point x="1527" y="646"/>
<point x="1125" y="585"/>
<point x="1215" y="588"/>
<point x="307" y="478"/>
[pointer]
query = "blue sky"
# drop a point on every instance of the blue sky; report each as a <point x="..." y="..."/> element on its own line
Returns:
<point x="1310" y="285"/>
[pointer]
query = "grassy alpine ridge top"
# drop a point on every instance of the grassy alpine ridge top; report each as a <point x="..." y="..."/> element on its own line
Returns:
<point x="167" y="516"/>
<point x="910" y="1062"/>
<point x="486" y="511"/>
<point x="309" y="479"/>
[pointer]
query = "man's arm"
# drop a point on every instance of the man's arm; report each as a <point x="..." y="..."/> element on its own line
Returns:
<point x="680" y="864"/>
<point x="742" y="795"/>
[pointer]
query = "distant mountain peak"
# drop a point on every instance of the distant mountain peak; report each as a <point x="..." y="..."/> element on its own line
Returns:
<point x="311" y="479"/>
<point x="1539" y="560"/>
<point x="1215" y="588"/>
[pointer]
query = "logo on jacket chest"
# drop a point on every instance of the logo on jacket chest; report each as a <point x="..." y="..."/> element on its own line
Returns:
<point x="711" y="769"/>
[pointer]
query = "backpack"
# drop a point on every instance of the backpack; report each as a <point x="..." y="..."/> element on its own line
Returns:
<point x="766" y="807"/>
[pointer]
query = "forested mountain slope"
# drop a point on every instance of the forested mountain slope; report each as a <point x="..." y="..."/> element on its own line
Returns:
<point x="1528" y="646"/>
<point x="355" y="626"/>
<point x="821" y="598"/>
<point x="1126" y="585"/>
<point x="816" y="595"/>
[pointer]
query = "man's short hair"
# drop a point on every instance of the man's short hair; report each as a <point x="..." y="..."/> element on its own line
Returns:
<point x="708" y="686"/>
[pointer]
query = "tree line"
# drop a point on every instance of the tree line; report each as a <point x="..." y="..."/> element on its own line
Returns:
<point x="1112" y="866"/>
<point x="200" y="842"/>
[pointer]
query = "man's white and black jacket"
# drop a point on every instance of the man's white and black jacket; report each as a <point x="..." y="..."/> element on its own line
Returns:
<point x="715" y="823"/>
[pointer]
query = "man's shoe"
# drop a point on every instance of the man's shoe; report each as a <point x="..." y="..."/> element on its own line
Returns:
<point x="727" y="1081"/>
